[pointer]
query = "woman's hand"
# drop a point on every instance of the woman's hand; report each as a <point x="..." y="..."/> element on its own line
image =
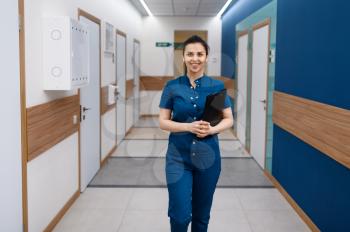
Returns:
<point x="200" y="128"/>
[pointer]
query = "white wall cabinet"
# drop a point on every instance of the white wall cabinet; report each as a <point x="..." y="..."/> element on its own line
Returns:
<point x="65" y="53"/>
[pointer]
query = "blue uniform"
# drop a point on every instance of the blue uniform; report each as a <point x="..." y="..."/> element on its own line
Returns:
<point x="193" y="164"/>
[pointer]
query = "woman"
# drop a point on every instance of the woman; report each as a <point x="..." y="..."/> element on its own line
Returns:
<point x="193" y="161"/>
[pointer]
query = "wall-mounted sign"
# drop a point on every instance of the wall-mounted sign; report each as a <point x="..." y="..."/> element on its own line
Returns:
<point x="163" y="44"/>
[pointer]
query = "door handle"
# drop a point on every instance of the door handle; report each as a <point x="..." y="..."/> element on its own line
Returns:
<point x="264" y="102"/>
<point x="85" y="109"/>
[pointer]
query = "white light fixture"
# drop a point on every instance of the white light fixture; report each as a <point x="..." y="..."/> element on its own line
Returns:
<point x="224" y="8"/>
<point x="146" y="7"/>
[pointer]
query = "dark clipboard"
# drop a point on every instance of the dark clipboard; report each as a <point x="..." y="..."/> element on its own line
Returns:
<point x="214" y="104"/>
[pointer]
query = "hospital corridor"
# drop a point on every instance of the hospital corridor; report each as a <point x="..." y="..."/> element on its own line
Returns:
<point x="175" y="116"/>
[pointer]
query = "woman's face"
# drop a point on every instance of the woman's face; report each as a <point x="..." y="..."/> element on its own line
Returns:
<point x="195" y="58"/>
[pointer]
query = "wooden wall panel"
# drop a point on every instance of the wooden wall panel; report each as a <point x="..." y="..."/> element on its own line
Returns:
<point x="50" y="123"/>
<point x="104" y="101"/>
<point x="325" y="127"/>
<point x="157" y="83"/>
<point x="129" y="88"/>
<point x="153" y="83"/>
<point x="229" y="85"/>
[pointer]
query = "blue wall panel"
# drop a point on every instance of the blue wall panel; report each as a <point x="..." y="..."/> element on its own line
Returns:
<point x="236" y="13"/>
<point x="313" y="50"/>
<point x="313" y="62"/>
<point x="319" y="185"/>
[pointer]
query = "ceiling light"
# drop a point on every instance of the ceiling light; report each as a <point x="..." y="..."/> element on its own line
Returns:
<point x="224" y="8"/>
<point x="146" y="7"/>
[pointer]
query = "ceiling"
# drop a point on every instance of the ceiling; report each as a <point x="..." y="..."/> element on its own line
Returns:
<point x="181" y="7"/>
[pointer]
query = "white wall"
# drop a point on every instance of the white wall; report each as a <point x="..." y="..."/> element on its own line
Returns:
<point x="10" y="123"/>
<point x="124" y="17"/>
<point x="50" y="186"/>
<point x="157" y="61"/>
<point x="120" y="13"/>
<point x="160" y="61"/>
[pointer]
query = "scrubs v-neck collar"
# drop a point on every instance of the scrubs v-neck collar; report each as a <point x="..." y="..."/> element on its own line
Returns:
<point x="198" y="81"/>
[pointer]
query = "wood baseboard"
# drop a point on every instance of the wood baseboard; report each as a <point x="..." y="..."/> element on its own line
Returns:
<point x="294" y="205"/>
<point x="128" y="132"/>
<point x="62" y="212"/>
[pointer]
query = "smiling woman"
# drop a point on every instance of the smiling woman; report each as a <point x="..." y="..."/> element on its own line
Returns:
<point x="179" y="37"/>
<point x="193" y="162"/>
<point x="195" y="56"/>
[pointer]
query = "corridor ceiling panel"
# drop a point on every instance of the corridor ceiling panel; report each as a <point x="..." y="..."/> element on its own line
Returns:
<point x="181" y="7"/>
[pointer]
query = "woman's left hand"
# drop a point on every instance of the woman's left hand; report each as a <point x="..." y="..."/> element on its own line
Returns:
<point x="204" y="130"/>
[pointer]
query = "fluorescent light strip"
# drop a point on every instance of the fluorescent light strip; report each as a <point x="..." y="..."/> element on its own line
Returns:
<point x="223" y="8"/>
<point x="146" y="7"/>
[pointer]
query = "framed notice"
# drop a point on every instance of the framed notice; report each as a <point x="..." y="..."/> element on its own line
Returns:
<point x="109" y="37"/>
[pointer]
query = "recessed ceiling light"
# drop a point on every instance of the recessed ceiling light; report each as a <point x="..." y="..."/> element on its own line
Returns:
<point x="224" y="8"/>
<point x="146" y="7"/>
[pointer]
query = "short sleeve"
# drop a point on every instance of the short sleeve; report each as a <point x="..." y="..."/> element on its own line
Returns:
<point x="227" y="102"/>
<point x="166" y="100"/>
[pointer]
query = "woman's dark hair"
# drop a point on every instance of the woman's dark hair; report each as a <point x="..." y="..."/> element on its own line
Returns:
<point x="191" y="40"/>
<point x="196" y="39"/>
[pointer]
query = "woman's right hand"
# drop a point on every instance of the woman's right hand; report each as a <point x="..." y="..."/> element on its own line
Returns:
<point x="198" y="127"/>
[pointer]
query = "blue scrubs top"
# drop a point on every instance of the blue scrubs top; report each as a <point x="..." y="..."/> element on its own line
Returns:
<point x="187" y="105"/>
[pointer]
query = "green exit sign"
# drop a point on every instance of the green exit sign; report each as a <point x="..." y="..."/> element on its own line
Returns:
<point x="163" y="44"/>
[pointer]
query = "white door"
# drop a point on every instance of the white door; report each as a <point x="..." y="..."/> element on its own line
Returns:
<point x="90" y="104"/>
<point x="136" y="82"/>
<point x="120" y="79"/>
<point x="11" y="208"/>
<point x="259" y="93"/>
<point x="242" y="69"/>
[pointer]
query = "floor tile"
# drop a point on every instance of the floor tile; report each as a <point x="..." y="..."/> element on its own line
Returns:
<point x="227" y="134"/>
<point x="145" y="221"/>
<point x="92" y="220"/>
<point x="104" y="198"/>
<point x="141" y="148"/>
<point x="226" y="199"/>
<point x="228" y="220"/>
<point x="262" y="199"/>
<point x="275" y="221"/>
<point x="149" y="199"/>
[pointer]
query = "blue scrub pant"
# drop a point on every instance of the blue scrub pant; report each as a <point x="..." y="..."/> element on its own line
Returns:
<point x="191" y="191"/>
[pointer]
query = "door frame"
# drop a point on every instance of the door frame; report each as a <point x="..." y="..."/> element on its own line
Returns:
<point x="24" y="131"/>
<point x="263" y="23"/>
<point x="97" y="21"/>
<point x="123" y="34"/>
<point x="238" y="36"/>
<point x="134" y="85"/>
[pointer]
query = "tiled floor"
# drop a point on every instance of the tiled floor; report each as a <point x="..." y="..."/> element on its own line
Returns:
<point x="157" y="148"/>
<point x="145" y="209"/>
<point x="140" y="210"/>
